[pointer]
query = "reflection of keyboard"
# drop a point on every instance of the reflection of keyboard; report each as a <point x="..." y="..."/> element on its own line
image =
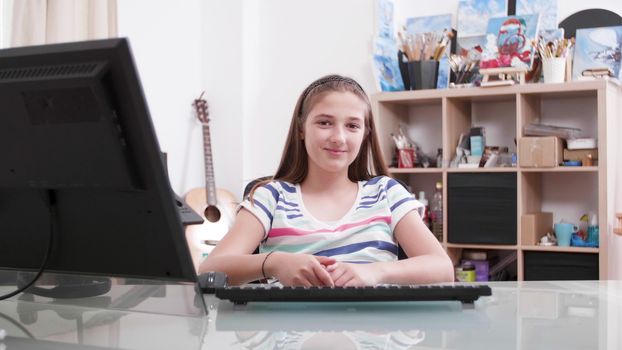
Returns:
<point x="247" y="293"/>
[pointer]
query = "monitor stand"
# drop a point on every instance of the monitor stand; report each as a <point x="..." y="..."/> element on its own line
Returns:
<point x="67" y="287"/>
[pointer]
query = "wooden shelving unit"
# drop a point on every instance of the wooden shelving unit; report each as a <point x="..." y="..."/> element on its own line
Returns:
<point x="436" y="118"/>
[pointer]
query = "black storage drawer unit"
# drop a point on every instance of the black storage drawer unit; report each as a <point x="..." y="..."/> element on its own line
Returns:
<point x="481" y="208"/>
<point x="551" y="266"/>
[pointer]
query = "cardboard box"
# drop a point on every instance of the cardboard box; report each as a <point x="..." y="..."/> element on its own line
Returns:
<point x="540" y="152"/>
<point x="534" y="226"/>
<point x="580" y="154"/>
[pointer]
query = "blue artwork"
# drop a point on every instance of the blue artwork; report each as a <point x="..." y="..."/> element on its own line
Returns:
<point x="428" y="24"/>
<point x="473" y="15"/>
<point x="386" y="69"/>
<point x="552" y="35"/>
<point x="509" y="42"/>
<point x="433" y="24"/>
<point x="547" y="9"/>
<point x="597" y="48"/>
<point x="384" y="16"/>
<point x="467" y="43"/>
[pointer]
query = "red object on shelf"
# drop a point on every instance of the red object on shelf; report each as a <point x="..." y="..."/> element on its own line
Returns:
<point x="406" y="158"/>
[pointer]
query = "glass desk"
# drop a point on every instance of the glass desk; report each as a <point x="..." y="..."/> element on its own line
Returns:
<point x="149" y="315"/>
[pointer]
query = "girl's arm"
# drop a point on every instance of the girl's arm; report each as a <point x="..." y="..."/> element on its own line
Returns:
<point x="234" y="256"/>
<point x="428" y="262"/>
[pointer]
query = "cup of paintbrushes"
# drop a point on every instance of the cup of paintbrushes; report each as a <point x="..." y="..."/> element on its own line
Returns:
<point x="402" y="61"/>
<point x="423" y="74"/>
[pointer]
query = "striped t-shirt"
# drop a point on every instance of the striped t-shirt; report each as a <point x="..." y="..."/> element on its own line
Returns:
<point x="364" y="234"/>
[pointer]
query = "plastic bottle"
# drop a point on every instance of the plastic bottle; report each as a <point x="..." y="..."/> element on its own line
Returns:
<point x="436" y="211"/>
<point x="466" y="273"/>
<point x="439" y="158"/>
<point x="426" y="209"/>
<point x="592" y="231"/>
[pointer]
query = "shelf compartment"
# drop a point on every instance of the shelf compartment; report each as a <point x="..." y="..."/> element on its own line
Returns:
<point x="502" y="261"/>
<point x="578" y="109"/>
<point x="422" y="121"/>
<point x="496" y="114"/>
<point x="568" y="195"/>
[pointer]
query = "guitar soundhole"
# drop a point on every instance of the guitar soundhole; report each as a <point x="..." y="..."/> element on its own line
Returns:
<point x="212" y="213"/>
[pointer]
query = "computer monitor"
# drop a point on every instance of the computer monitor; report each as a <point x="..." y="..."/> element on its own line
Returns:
<point x="78" y="153"/>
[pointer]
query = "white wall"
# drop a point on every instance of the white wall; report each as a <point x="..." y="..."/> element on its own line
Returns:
<point x="181" y="51"/>
<point x="253" y="57"/>
<point x="299" y="41"/>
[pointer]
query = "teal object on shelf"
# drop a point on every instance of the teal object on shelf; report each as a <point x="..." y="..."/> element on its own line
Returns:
<point x="592" y="234"/>
<point x="577" y="241"/>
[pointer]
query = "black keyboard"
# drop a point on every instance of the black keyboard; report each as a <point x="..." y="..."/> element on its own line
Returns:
<point x="276" y="293"/>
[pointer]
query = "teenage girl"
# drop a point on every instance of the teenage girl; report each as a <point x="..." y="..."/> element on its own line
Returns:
<point x="331" y="216"/>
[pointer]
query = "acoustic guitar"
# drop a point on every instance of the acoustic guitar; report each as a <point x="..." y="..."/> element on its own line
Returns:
<point x="216" y="206"/>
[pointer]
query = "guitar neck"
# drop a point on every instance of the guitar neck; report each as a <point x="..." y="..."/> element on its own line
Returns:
<point x="210" y="183"/>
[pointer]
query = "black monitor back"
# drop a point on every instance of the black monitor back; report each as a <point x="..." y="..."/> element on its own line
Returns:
<point x="74" y="121"/>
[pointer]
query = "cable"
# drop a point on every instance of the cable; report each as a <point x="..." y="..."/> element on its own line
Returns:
<point x="51" y="203"/>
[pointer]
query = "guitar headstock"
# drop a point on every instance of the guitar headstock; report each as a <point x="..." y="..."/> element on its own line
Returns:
<point x="201" y="108"/>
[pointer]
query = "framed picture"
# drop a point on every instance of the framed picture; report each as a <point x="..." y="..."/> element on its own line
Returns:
<point x="597" y="48"/>
<point x="509" y="42"/>
<point x="473" y="18"/>
<point x="384" y="18"/>
<point x="547" y="9"/>
<point x="385" y="66"/>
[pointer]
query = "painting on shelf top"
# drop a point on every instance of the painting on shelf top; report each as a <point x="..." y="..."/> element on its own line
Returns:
<point x="509" y="42"/>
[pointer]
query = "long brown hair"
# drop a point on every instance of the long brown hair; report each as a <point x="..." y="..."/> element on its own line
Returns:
<point x="294" y="164"/>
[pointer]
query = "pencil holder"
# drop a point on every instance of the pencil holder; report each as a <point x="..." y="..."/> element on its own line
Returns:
<point x="423" y="74"/>
<point x="406" y="158"/>
<point x="402" y="61"/>
<point x="554" y="69"/>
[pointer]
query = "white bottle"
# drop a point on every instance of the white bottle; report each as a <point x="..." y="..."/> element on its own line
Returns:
<point x="426" y="209"/>
<point x="436" y="212"/>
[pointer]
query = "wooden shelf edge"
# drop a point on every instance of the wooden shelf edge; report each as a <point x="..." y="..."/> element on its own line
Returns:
<point x="416" y="170"/>
<point x="561" y="169"/>
<point x="537" y="248"/>
<point x="481" y="246"/>
<point x="483" y="170"/>
<point x="435" y="95"/>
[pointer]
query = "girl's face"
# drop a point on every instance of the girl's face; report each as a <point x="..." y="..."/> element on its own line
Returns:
<point x="334" y="131"/>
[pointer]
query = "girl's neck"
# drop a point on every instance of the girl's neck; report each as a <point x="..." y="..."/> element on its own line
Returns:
<point x="321" y="181"/>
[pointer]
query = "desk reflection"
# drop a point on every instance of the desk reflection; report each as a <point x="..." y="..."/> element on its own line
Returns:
<point x="373" y="325"/>
<point x="528" y="315"/>
<point x="140" y="315"/>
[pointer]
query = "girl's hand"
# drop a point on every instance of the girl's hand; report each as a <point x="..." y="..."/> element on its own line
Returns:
<point x="300" y="269"/>
<point x="353" y="275"/>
